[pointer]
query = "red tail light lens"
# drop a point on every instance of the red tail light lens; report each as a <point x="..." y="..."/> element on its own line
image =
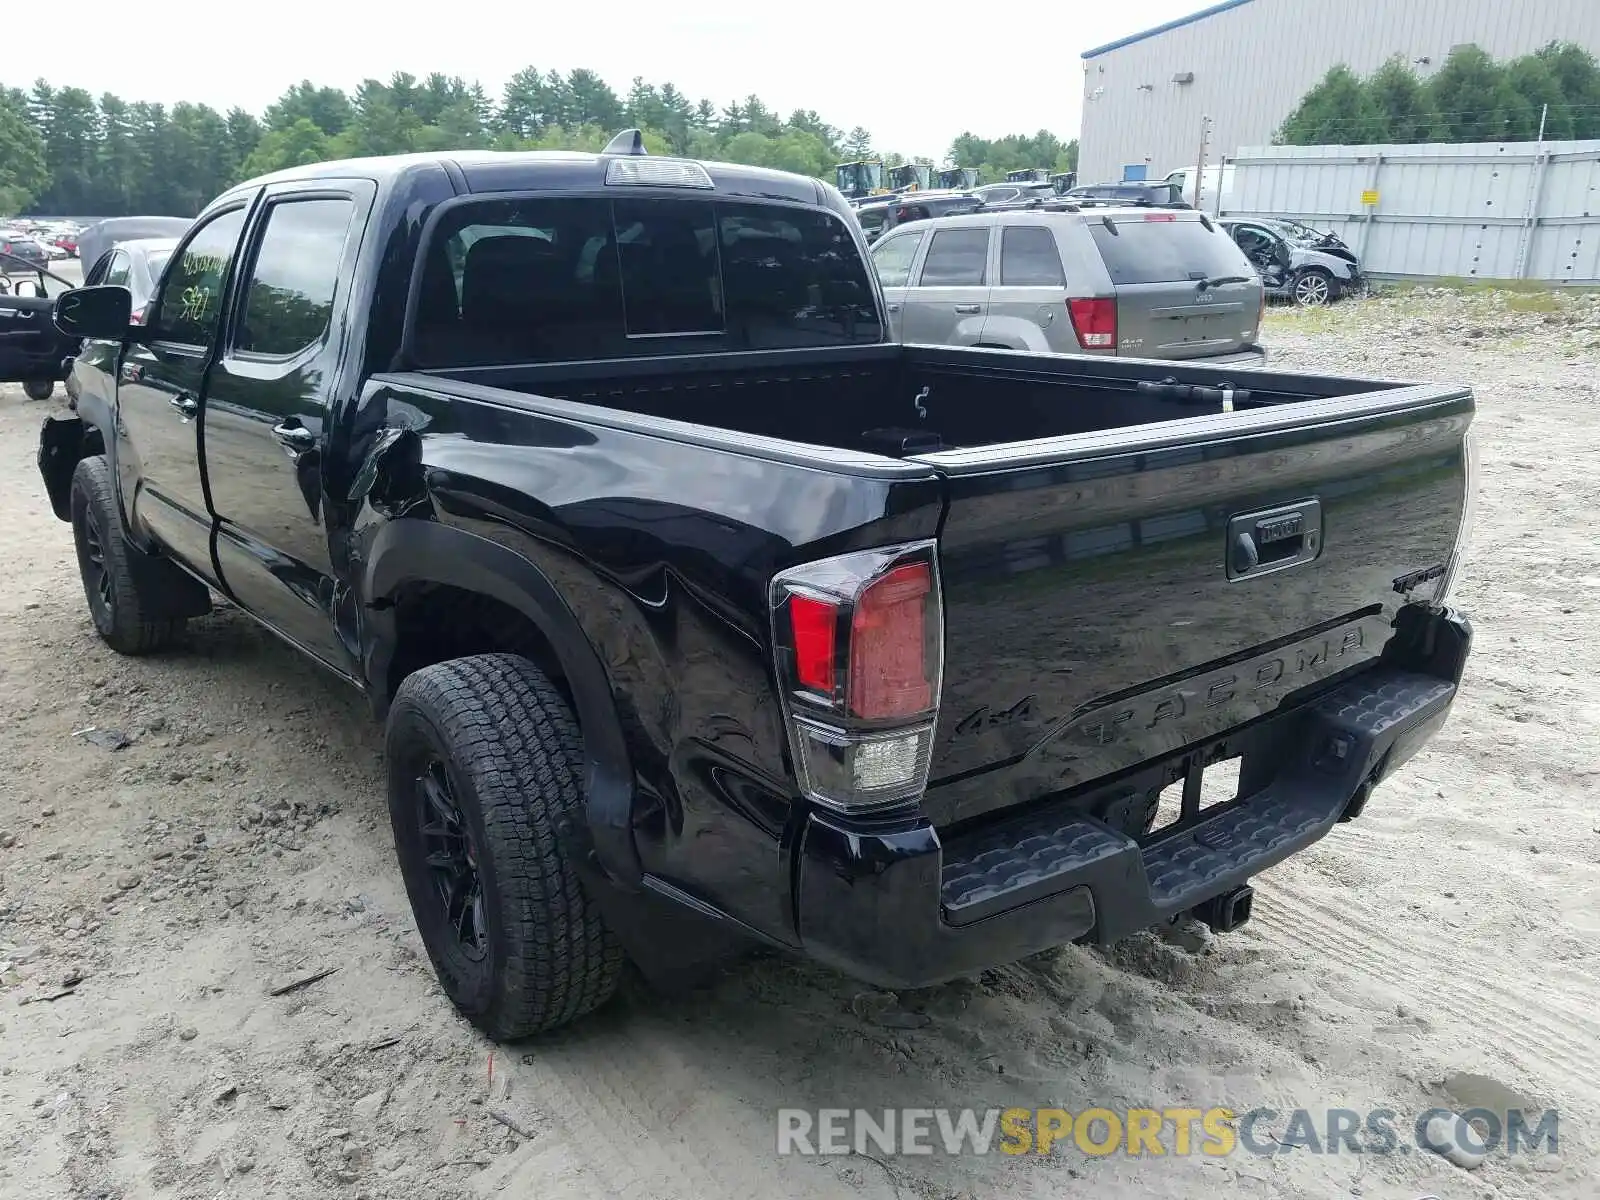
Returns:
<point x="859" y="643"/>
<point x="889" y="675"/>
<point x="136" y="317"/>
<point x="814" y="622"/>
<point x="1095" y="323"/>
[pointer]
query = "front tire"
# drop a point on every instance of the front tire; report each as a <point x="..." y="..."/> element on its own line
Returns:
<point x="39" y="389"/>
<point x="485" y="766"/>
<point x="1314" y="288"/>
<point x="119" y="600"/>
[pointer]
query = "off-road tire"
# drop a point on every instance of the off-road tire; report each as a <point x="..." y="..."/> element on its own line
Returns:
<point x="510" y="751"/>
<point x="118" y="600"/>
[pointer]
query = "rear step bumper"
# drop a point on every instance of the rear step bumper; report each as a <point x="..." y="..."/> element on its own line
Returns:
<point x="900" y="908"/>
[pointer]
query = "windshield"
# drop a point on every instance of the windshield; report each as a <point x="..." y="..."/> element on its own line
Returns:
<point x="1294" y="231"/>
<point x="858" y="179"/>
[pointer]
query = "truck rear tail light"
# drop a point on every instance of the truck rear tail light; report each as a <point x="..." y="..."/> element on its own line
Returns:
<point x="889" y="645"/>
<point x="813" y="621"/>
<point x="859" y="645"/>
<point x="1095" y="323"/>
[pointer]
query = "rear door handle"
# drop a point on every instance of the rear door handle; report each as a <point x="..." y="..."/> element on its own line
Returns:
<point x="295" y="437"/>
<point x="186" y="405"/>
<point x="969" y="308"/>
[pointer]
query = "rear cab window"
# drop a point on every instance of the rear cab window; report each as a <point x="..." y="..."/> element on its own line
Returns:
<point x="1159" y="248"/>
<point x="556" y="280"/>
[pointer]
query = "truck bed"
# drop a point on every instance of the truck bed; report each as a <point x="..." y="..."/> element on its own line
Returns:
<point x="902" y="401"/>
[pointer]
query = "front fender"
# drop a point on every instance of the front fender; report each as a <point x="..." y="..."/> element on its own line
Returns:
<point x="1339" y="268"/>
<point x="411" y="551"/>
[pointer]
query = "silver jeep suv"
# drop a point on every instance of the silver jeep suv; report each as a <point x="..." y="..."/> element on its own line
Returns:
<point x="1135" y="282"/>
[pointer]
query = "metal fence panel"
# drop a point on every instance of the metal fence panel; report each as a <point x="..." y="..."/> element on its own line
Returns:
<point x="1491" y="210"/>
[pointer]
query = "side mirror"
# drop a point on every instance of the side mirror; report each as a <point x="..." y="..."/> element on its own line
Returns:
<point x="94" y="312"/>
<point x="27" y="288"/>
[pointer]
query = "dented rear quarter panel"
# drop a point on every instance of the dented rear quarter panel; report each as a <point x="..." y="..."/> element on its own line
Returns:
<point x="662" y="543"/>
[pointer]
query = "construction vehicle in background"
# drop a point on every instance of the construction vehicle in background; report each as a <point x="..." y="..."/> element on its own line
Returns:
<point x="962" y="179"/>
<point x="1064" y="181"/>
<point x="911" y="177"/>
<point x="860" y="179"/>
<point x="1031" y="175"/>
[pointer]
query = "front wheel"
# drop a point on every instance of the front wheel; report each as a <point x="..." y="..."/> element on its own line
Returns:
<point x="121" y="600"/>
<point x="39" y="389"/>
<point x="1313" y="288"/>
<point x="485" y="767"/>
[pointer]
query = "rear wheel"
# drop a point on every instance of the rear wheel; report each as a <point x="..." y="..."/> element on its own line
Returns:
<point x="39" y="389"/>
<point x="1313" y="288"/>
<point x="485" y="769"/>
<point x="119" y="599"/>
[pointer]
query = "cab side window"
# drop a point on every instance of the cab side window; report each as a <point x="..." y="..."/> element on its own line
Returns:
<point x="893" y="257"/>
<point x="190" y="303"/>
<point x="288" y="304"/>
<point x="1029" y="258"/>
<point x="957" y="258"/>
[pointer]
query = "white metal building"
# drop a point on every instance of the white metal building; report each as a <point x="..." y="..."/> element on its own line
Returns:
<point x="1246" y="64"/>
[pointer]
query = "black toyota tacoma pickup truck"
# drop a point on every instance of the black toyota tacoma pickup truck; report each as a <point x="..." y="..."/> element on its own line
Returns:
<point x="701" y="615"/>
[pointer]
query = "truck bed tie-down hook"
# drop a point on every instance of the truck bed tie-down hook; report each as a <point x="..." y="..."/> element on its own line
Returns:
<point x="922" y="410"/>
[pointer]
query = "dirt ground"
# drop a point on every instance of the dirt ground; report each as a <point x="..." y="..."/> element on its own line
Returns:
<point x="1442" y="950"/>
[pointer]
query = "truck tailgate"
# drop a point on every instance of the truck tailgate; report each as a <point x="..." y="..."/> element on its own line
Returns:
<point x="1112" y="598"/>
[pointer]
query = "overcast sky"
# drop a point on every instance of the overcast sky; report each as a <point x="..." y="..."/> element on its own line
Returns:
<point x="991" y="69"/>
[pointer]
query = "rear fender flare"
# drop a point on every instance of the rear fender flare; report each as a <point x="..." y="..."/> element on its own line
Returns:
<point x="1017" y="333"/>
<point x="421" y="551"/>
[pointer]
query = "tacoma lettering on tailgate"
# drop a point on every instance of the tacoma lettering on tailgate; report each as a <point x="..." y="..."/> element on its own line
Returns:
<point x="1112" y="737"/>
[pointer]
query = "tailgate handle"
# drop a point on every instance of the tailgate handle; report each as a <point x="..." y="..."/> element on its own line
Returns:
<point x="1274" y="539"/>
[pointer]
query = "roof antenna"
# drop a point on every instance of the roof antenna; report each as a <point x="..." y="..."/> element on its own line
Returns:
<point x="629" y="141"/>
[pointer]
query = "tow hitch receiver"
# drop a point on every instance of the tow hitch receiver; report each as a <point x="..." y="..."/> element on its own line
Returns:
<point x="1227" y="912"/>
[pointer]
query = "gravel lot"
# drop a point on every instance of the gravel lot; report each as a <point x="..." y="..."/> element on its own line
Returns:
<point x="1445" y="949"/>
